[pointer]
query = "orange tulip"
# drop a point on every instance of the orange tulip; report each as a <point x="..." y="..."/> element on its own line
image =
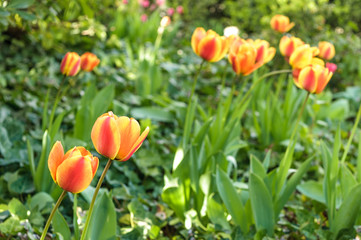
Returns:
<point x="327" y="50"/>
<point x="313" y="78"/>
<point x="265" y="53"/>
<point x="117" y="137"/>
<point x="281" y="23"/>
<point x="302" y="56"/>
<point x="88" y="61"/>
<point x="209" y="45"/>
<point x="288" y="45"/>
<point x="242" y="56"/>
<point x="70" y="65"/>
<point x="74" y="170"/>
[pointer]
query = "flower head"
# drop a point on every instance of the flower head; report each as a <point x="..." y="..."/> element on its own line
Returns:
<point x="313" y="78"/>
<point x="117" y="137"/>
<point x="302" y="56"/>
<point x="327" y="50"/>
<point x="288" y="45"/>
<point x="242" y="55"/>
<point x="70" y="65"/>
<point x="74" y="170"/>
<point x="281" y="23"/>
<point x="88" y="61"/>
<point x="209" y="45"/>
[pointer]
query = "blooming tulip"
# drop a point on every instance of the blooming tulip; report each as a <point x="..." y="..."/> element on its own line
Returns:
<point x="281" y="23"/>
<point x="288" y="45"/>
<point x="302" y="56"/>
<point x="331" y="66"/>
<point x="74" y="170"/>
<point x="327" y="50"/>
<point x="117" y="137"/>
<point x="242" y="56"/>
<point x="209" y="45"/>
<point x="70" y="65"/>
<point x="88" y="61"/>
<point x="313" y="78"/>
<point x="265" y="53"/>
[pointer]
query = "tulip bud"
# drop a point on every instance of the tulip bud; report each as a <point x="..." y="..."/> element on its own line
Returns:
<point x="88" y="61"/>
<point x="313" y="78"/>
<point x="288" y="45"/>
<point x="331" y="66"/>
<point x="281" y="23"/>
<point x="209" y="45"/>
<point x="70" y="65"/>
<point x="74" y="170"/>
<point x="327" y="50"/>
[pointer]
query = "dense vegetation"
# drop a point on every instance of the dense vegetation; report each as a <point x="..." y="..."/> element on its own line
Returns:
<point x="245" y="157"/>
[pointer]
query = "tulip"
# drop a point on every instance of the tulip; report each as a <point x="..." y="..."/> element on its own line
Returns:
<point x="313" y="78"/>
<point x="265" y="53"/>
<point x="302" y="56"/>
<point x="209" y="45"/>
<point x="180" y="9"/>
<point x="165" y="21"/>
<point x="170" y="11"/>
<point x="281" y="23"/>
<point x="88" y="61"/>
<point x="70" y="65"/>
<point x="331" y="66"/>
<point x="117" y="137"/>
<point x="242" y="56"/>
<point x="288" y="45"/>
<point x="74" y="170"/>
<point x="327" y="50"/>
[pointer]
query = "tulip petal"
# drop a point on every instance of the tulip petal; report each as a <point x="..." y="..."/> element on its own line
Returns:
<point x="137" y="144"/>
<point x="130" y="131"/>
<point x="209" y="48"/>
<point x="94" y="163"/>
<point x="307" y="79"/>
<point x="56" y="157"/>
<point x="105" y="136"/>
<point x="198" y="34"/>
<point x="75" y="174"/>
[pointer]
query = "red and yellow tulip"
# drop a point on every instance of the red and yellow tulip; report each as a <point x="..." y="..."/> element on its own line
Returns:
<point x="281" y="23"/>
<point x="88" y="61"/>
<point x="302" y="56"/>
<point x="288" y="45"/>
<point x="74" y="170"/>
<point x="313" y="78"/>
<point x="117" y="137"/>
<point x="265" y="53"/>
<point x="70" y="65"/>
<point x="209" y="45"/>
<point x="242" y="56"/>
<point x="327" y="50"/>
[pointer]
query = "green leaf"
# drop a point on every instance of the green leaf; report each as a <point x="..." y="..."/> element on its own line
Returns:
<point x="216" y="213"/>
<point x="20" y="4"/>
<point x="347" y="180"/>
<point x="26" y="15"/>
<point x="43" y="179"/>
<point x="262" y="204"/>
<point x="313" y="190"/>
<point x="103" y="221"/>
<point x="153" y="113"/>
<point x="198" y="139"/>
<point x="11" y="226"/>
<point x="40" y="201"/>
<point x="17" y="208"/>
<point x="56" y="125"/>
<point x="346" y="216"/>
<point x="231" y="199"/>
<point x="60" y="226"/>
<point x="257" y="167"/>
<point x="30" y="157"/>
<point x="173" y="195"/>
<point x="102" y="101"/>
<point x="189" y="122"/>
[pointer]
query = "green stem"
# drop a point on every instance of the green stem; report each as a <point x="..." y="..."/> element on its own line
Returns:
<point x="255" y="83"/>
<point x="223" y="81"/>
<point x="195" y="82"/>
<point x="57" y="99"/>
<point x="298" y="120"/>
<point x="60" y="199"/>
<point x="83" y="235"/>
<point x="75" y="217"/>
<point x="157" y="42"/>
<point x="353" y="131"/>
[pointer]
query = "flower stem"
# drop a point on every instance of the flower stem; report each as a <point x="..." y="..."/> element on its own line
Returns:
<point x="57" y="99"/>
<point x="75" y="217"/>
<point x="60" y="199"/>
<point x="353" y="131"/>
<point x="83" y="235"/>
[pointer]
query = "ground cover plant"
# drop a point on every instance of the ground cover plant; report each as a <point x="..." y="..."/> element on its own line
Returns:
<point x="180" y="120"/>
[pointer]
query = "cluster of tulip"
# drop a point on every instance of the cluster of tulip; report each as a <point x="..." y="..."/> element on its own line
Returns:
<point x="309" y="70"/>
<point x="116" y="138"/>
<point x="245" y="56"/>
<point x="72" y="63"/>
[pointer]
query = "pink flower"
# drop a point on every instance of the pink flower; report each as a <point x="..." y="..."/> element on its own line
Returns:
<point x="160" y="2"/>
<point x="125" y="2"/>
<point x="179" y="9"/>
<point x="145" y="3"/>
<point x="153" y="7"/>
<point x="331" y="66"/>
<point x="144" y="17"/>
<point x="170" y="11"/>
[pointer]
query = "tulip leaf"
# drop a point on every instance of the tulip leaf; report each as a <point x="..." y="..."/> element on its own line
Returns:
<point x="313" y="190"/>
<point x="231" y="199"/>
<point x="157" y="114"/>
<point x="262" y="204"/>
<point x="43" y="179"/>
<point x="20" y="4"/>
<point x="103" y="220"/>
<point x="102" y="101"/>
<point x="60" y="225"/>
